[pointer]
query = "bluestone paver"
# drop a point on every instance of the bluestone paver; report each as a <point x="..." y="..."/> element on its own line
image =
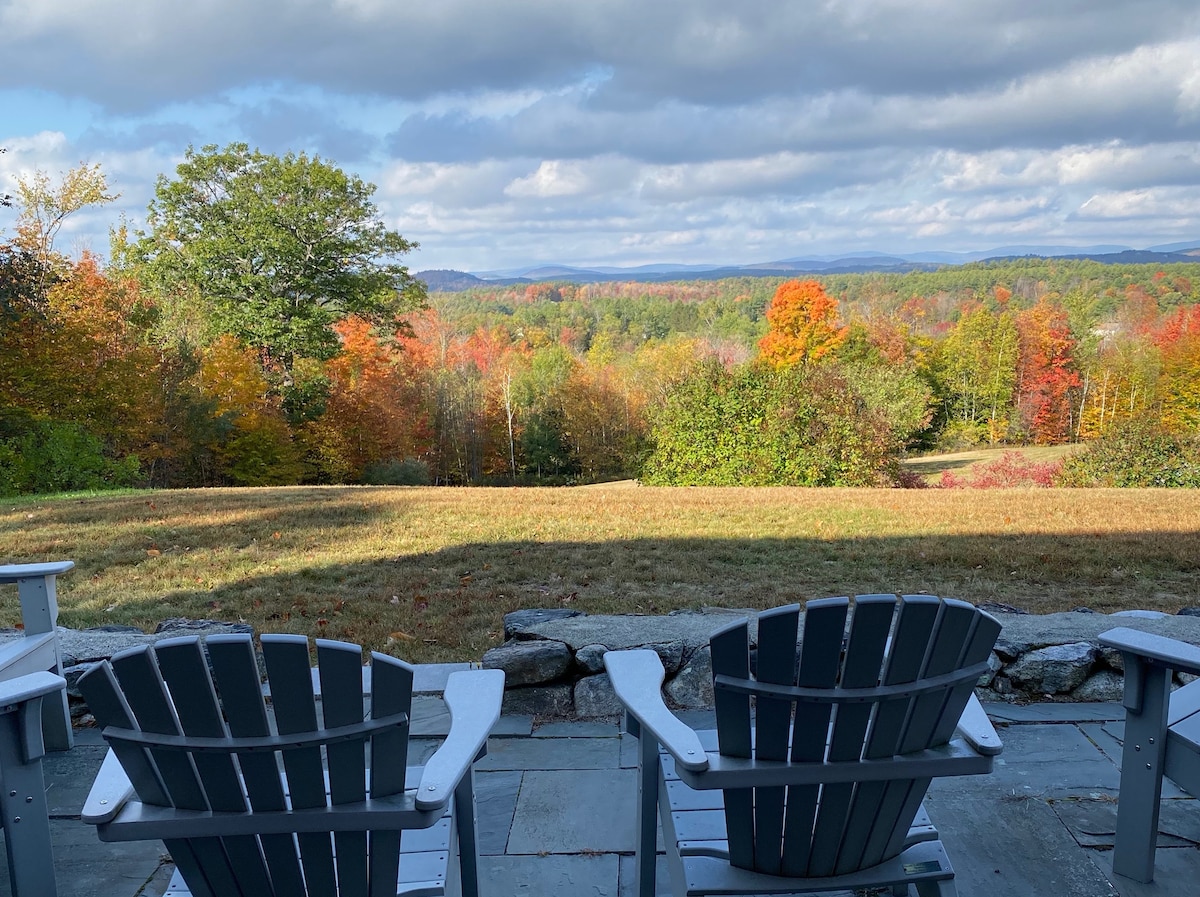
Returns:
<point x="551" y="753"/>
<point x="1051" y="712"/>
<point x="574" y="810"/>
<point x="549" y="876"/>
<point x="495" y="802"/>
<point x="1003" y="846"/>
<point x="1049" y="761"/>
<point x="1176" y="871"/>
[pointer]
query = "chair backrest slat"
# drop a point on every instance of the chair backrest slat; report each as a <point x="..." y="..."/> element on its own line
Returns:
<point x="916" y="619"/>
<point x="731" y="657"/>
<point x="870" y="625"/>
<point x="973" y="633"/>
<point x="185" y="673"/>
<point x="820" y="657"/>
<point x="139" y="679"/>
<point x="287" y="661"/>
<point x="340" y="669"/>
<point x="235" y="670"/>
<point x="777" y="630"/>
<point x="391" y="693"/>
<point x="984" y="632"/>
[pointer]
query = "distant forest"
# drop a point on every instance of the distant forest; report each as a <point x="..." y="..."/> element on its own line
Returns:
<point x="269" y="347"/>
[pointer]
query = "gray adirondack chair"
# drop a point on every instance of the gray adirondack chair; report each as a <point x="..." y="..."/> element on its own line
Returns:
<point x="814" y="778"/>
<point x="1162" y="737"/>
<point x="306" y="806"/>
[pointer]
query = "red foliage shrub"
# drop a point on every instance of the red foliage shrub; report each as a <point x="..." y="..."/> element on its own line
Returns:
<point x="1010" y="470"/>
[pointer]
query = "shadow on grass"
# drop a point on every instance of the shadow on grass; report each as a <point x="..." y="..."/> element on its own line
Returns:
<point x="449" y="604"/>
<point x="931" y="468"/>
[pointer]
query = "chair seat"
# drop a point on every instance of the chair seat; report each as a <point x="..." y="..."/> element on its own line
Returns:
<point x="920" y="864"/>
<point x="425" y="867"/>
<point x="1182" y="764"/>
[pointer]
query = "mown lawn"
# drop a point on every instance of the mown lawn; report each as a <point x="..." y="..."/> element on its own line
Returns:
<point x="428" y="573"/>
<point x="961" y="463"/>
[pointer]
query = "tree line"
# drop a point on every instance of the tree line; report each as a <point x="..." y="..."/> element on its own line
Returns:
<point x="262" y="329"/>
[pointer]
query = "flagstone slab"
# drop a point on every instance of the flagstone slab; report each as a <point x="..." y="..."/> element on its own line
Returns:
<point x="572" y="811"/>
<point x="551" y="753"/>
<point x="1052" y="761"/>
<point x="1093" y="823"/>
<point x="550" y="876"/>
<point x="1004" y="846"/>
<point x="1175" y="873"/>
<point x="495" y="802"/>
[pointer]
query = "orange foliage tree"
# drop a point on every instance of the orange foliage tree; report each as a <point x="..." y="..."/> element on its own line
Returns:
<point x="1046" y="373"/>
<point x="1179" y="379"/>
<point x="804" y="325"/>
<point x="373" y="414"/>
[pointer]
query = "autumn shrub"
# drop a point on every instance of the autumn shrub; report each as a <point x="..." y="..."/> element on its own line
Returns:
<point x="758" y="426"/>
<point x="56" y="456"/>
<point x="1011" y="470"/>
<point x="910" y="479"/>
<point x="1136" y="453"/>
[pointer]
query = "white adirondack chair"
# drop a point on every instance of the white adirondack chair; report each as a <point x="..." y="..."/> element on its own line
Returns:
<point x="816" y="785"/>
<point x="306" y="806"/>
<point x="22" y="788"/>
<point x="33" y="717"/>
<point x="38" y="650"/>
<point x="1162" y="738"/>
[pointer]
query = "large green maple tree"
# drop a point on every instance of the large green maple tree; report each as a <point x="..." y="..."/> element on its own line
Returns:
<point x="274" y="251"/>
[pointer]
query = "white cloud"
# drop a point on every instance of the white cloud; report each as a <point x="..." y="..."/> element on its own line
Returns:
<point x="552" y="178"/>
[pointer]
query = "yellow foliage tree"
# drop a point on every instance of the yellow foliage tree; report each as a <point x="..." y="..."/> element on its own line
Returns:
<point x="804" y="325"/>
<point x="257" y="450"/>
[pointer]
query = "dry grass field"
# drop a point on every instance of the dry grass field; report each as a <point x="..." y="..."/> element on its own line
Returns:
<point x="428" y="573"/>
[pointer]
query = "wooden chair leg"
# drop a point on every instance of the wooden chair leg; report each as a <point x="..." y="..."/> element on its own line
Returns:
<point x="1147" y="694"/>
<point x="468" y="835"/>
<point x="25" y="814"/>
<point x="647" y="803"/>
<point x="944" y="888"/>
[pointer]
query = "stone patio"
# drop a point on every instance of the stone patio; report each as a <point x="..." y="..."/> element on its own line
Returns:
<point x="556" y="812"/>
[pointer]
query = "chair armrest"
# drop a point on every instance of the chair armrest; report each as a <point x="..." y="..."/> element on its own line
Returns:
<point x="1157" y="649"/>
<point x="10" y="573"/>
<point x="977" y="729"/>
<point x="637" y="678"/>
<point x="473" y="698"/>
<point x="110" y="792"/>
<point x="23" y="695"/>
<point x="30" y="686"/>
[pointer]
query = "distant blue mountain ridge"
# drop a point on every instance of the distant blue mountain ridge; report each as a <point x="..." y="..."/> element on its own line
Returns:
<point x="848" y="263"/>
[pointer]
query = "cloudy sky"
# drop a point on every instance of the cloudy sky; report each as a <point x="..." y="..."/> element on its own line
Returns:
<point x="502" y="133"/>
